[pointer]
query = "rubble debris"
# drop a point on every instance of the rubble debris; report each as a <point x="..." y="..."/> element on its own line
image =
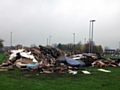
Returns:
<point x="32" y="65"/>
<point x="96" y="61"/>
<point x="86" y="72"/>
<point x="39" y="58"/>
<point x="104" y="63"/>
<point x="103" y="70"/>
<point x="21" y="65"/>
<point x="49" y="60"/>
<point x="3" y="69"/>
<point x="6" y="69"/>
<point x="72" y="72"/>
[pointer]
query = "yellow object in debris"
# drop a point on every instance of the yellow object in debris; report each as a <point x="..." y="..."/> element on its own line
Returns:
<point x="3" y="69"/>
<point x="103" y="70"/>
<point x="86" y="72"/>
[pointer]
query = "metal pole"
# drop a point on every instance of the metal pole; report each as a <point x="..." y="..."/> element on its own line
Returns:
<point x="92" y="39"/>
<point x="119" y="48"/>
<point x="85" y="40"/>
<point x="119" y="45"/>
<point x="49" y="40"/>
<point x="89" y="36"/>
<point x="92" y="35"/>
<point x="74" y="38"/>
<point x="73" y="42"/>
<point x="11" y="39"/>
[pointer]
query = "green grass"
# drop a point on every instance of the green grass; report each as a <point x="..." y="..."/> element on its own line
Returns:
<point x="2" y="58"/>
<point x="106" y="57"/>
<point x="25" y="80"/>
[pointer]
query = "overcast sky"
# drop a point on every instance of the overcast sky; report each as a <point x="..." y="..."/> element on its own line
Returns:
<point x="33" y="21"/>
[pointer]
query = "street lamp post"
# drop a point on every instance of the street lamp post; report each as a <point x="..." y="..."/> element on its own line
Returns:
<point x="91" y="21"/>
<point x="50" y="40"/>
<point x="119" y="49"/>
<point x="74" y="38"/>
<point x="11" y="39"/>
<point x="85" y="40"/>
<point x="73" y="42"/>
<point x="47" y="41"/>
<point x="119" y="45"/>
<point x="89" y="36"/>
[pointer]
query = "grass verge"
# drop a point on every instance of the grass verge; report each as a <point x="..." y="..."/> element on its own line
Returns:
<point x="17" y="79"/>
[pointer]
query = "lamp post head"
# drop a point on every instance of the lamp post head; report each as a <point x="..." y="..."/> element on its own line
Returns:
<point x="92" y="20"/>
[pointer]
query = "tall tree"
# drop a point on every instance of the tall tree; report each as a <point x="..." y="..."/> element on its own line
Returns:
<point x="79" y="45"/>
<point x="60" y="46"/>
<point x="83" y="48"/>
<point x="99" y="49"/>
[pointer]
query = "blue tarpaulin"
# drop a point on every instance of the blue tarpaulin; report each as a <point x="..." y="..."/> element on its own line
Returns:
<point x="33" y="65"/>
<point x="70" y="61"/>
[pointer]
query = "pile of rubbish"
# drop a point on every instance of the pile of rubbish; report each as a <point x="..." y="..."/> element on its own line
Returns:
<point x="95" y="60"/>
<point x="42" y="59"/>
<point x="50" y="60"/>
